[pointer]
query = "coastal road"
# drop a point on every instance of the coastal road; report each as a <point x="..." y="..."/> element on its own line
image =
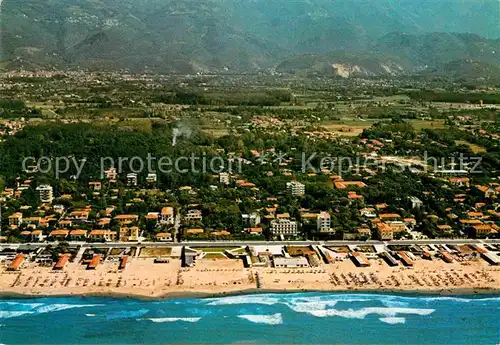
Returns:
<point x="254" y="243"/>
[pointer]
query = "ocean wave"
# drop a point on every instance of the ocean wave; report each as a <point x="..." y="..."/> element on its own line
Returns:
<point x="50" y="308"/>
<point x="363" y="312"/>
<point x="393" y="320"/>
<point x="19" y="305"/>
<point x="173" y="319"/>
<point x="90" y="315"/>
<point x="7" y="314"/>
<point x="274" y="319"/>
<point x="126" y="314"/>
<point x="392" y="302"/>
<point x="249" y="299"/>
<point x="298" y="301"/>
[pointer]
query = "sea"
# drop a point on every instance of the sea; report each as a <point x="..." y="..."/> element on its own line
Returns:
<point x="288" y="318"/>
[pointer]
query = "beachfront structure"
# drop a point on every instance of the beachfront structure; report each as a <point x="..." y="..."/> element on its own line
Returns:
<point x="167" y="215"/>
<point x="188" y="257"/>
<point x="123" y="262"/>
<point x="96" y="259"/>
<point x="45" y="193"/>
<point x="405" y="259"/>
<point x="284" y="227"/>
<point x="391" y="261"/>
<point x="132" y="179"/>
<point x="491" y="258"/>
<point x="360" y="260"/>
<point x="15" y="265"/>
<point x="324" y="223"/>
<point x="293" y="262"/>
<point x="295" y="188"/>
<point x="61" y="263"/>
<point x="447" y="257"/>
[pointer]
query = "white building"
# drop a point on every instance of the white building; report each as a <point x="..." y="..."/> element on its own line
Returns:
<point x="324" y="222"/>
<point x="193" y="215"/>
<point x="45" y="193"/>
<point x="284" y="227"/>
<point x="110" y="174"/>
<point x="295" y="188"/>
<point x="132" y="179"/>
<point x="416" y="202"/>
<point x="151" y="178"/>
<point x="295" y="262"/>
<point x="224" y="178"/>
<point x="251" y="219"/>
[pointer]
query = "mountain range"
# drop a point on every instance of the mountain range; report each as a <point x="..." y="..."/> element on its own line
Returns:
<point x="341" y="37"/>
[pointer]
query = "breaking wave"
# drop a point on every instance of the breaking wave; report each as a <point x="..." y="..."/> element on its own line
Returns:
<point x="252" y="299"/>
<point x="363" y="312"/>
<point x="58" y="307"/>
<point x="6" y="314"/>
<point x="173" y="319"/>
<point x="274" y="319"/>
<point x="15" y="309"/>
<point x="126" y="314"/>
<point x="393" y="320"/>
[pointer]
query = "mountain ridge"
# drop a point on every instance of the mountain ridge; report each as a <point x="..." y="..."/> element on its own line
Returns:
<point x="190" y="36"/>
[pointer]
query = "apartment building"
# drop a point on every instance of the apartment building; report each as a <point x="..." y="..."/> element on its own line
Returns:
<point x="324" y="223"/>
<point x="132" y="179"/>
<point x="295" y="188"/>
<point x="284" y="227"/>
<point x="45" y="193"/>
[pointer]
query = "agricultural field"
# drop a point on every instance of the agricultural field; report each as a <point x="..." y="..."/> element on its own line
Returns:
<point x="475" y="148"/>
<point x="424" y="124"/>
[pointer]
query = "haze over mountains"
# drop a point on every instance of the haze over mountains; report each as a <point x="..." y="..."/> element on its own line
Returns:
<point x="343" y="37"/>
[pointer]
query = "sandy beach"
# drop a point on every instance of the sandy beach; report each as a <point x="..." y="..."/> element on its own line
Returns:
<point x="209" y="277"/>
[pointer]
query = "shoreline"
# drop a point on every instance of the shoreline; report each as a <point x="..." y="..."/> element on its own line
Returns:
<point x="457" y="292"/>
